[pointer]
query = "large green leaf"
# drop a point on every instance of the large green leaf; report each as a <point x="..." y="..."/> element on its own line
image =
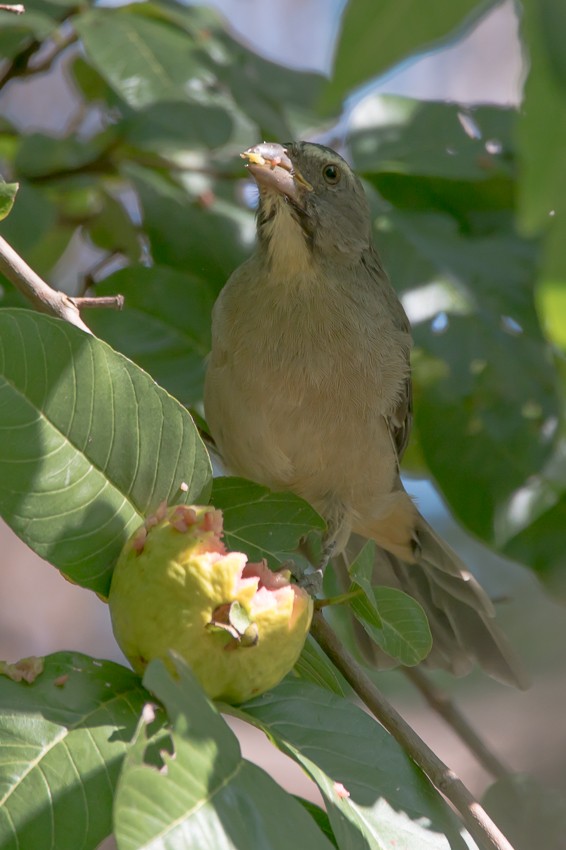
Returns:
<point x="63" y="739"/>
<point x="32" y="220"/>
<point x="435" y="139"/>
<point x="529" y="814"/>
<point x="208" y="242"/>
<point x="376" y="36"/>
<point x="394" y="620"/>
<point x="164" y="327"/>
<point x="18" y="31"/>
<point x="204" y="795"/>
<point x="90" y="445"/>
<point x="437" y="155"/>
<point x="450" y="245"/>
<point x="538" y="540"/>
<point x="40" y="155"/>
<point x="261" y="523"/>
<point x="278" y="99"/>
<point x="542" y="123"/>
<point x="314" y="666"/>
<point x="173" y="126"/>
<point x="144" y="60"/>
<point x="390" y="802"/>
<point x="474" y="375"/>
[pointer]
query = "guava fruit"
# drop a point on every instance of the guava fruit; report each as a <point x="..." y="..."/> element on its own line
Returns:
<point x="240" y="626"/>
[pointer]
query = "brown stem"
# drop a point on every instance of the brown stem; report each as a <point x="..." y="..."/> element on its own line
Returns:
<point x="440" y="702"/>
<point x="480" y="826"/>
<point x="19" y="66"/>
<point x="35" y="289"/>
<point x="108" y="302"/>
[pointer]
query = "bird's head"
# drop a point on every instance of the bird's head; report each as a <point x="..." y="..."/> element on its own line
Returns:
<point x="309" y="192"/>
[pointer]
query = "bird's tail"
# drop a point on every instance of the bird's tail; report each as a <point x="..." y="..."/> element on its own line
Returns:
<point x="460" y="613"/>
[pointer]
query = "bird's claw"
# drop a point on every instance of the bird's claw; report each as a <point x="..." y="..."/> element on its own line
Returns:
<point x="305" y="576"/>
<point x="312" y="582"/>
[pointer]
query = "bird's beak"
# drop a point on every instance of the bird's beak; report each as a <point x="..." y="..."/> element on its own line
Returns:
<point x="272" y="169"/>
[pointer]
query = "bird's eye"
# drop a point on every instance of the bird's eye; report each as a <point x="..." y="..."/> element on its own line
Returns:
<point x="331" y="173"/>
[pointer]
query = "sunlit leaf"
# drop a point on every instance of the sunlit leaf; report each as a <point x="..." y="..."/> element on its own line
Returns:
<point x="261" y="523"/>
<point x="64" y="737"/>
<point x="205" y="795"/>
<point x="90" y="444"/>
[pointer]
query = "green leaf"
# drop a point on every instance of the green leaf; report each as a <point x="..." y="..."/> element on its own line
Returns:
<point x="164" y="326"/>
<point x="493" y="395"/>
<point x="7" y="196"/>
<point x="209" y="242"/>
<point x="205" y="795"/>
<point x="111" y="228"/>
<point x="42" y="156"/>
<point x="320" y="817"/>
<point x="391" y="803"/>
<point x="276" y="98"/>
<point x="261" y="523"/>
<point x="90" y="445"/>
<point x="436" y="139"/>
<point x="538" y="539"/>
<point x="529" y="814"/>
<point x="64" y="737"/>
<point x="439" y="156"/>
<point x="31" y="221"/>
<point x="144" y="60"/>
<point x="314" y="666"/>
<point x="376" y="36"/>
<point x="90" y="83"/>
<point x="542" y="186"/>
<point x="169" y="127"/>
<point x="17" y="31"/>
<point x="361" y="571"/>
<point x="394" y="620"/>
<point x="486" y="359"/>
<point x="552" y="18"/>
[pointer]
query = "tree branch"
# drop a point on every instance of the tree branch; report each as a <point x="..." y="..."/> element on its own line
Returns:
<point x="480" y="826"/>
<point x="42" y="296"/>
<point x="108" y="302"/>
<point x="440" y="702"/>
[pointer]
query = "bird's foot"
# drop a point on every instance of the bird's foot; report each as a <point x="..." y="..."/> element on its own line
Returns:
<point x="327" y="553"/>
<point x="305" y="576"/>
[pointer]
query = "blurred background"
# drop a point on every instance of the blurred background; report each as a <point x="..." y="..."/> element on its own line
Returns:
<point x="41" y="613"/>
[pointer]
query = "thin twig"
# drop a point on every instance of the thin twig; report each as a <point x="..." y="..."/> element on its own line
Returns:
<point x="440" y="702"/>
<point x="19" y="66"/>
<point x="107" y="302"/>
<point x="46" y="299"/>
<point x="35" y="289"/>
<point x="16" y="10"/>
<point x="480" y="826"/>
<point x="47" y="62"/>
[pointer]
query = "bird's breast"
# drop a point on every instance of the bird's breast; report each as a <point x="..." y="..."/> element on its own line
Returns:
<point x="299" y="386"/>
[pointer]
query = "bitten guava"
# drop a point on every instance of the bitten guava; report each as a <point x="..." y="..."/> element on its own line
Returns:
<point x="240" y="626"/>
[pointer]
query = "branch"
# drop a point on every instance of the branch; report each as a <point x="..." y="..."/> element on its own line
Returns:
<point x="19" y="65"/>
<point x="440" y="702"/>
<point x="107" y="302"/>
<point x="480" y="826"/>
<point x="42" y="296"/>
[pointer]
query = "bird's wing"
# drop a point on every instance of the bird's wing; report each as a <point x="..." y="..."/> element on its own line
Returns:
<point x="401" y="420"/>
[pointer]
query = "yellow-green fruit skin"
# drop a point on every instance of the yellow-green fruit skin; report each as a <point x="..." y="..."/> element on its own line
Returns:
<point x="166" y="587"/>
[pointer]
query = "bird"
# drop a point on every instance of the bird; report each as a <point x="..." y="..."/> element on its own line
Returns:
<point x="308" y="390"/>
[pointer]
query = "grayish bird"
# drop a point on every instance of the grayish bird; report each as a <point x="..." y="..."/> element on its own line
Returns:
<point x="308" y="389"/>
